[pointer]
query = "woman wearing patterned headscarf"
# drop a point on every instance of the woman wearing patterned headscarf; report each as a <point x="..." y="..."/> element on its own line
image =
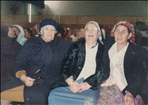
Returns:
<point x="19" y="31"/>
<point x="124" y="61"/>
<point x="132" y="38"/>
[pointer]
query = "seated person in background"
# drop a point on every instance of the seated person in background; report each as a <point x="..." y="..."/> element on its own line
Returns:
<point x="73" y="36"/>
<point x="35" y="30"/>
<point x="37" y="67"/>
<point x="34" y="33"/>
<point x="141" y="31"/>
<point x="123" y="60"/>
<point x="28" y="33"/>
<point x="9" y="51"/>
<point x="112" y="31"/>
<point x="80" y="33"/>
<point x="60" y="32"/>
<point x="83" y="71"/>
<point x="20" y="34"/>
<point x="67" y="34"/>
<point x="77" y="34"/>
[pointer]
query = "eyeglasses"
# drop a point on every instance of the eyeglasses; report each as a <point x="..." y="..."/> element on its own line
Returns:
<point x="93" y="29"/>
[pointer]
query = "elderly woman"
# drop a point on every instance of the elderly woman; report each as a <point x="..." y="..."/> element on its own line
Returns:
<point x="124" y="61"/>
<point x="83" y="70"/>
<point x="19" y="31"/>
<point x="37" y="67"/>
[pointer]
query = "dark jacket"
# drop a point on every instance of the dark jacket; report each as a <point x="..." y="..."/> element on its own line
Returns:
<point x="133" y="66"/>
<point x="31" y="58"/>
<point x="9" y="51"/>
<point x="74" y="61"/>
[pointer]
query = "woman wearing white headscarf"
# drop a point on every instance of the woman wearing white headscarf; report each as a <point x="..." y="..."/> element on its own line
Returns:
<point x="83" y="70"/>
<point x="20" y="33"/>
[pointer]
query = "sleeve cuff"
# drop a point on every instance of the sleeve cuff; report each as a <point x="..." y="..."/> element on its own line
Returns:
<point x="68" y="78"/>
<point x="20" y="73"/>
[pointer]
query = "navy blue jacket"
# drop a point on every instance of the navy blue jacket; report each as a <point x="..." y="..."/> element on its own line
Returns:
<point x="31" y="59"/>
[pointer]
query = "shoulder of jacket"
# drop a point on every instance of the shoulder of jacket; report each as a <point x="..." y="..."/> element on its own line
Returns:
<point x="33" y="40"/>
<point x="80" y="42"/>
<point x="62" y="41"/>
<point x="76" y="45"/>
<point x="137" y="49"/>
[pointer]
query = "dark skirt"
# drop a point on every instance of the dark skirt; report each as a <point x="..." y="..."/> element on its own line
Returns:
<point x="111" y="95"/>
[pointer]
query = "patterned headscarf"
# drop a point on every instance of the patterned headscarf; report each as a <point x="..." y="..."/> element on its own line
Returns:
<point x="130" y="26"/>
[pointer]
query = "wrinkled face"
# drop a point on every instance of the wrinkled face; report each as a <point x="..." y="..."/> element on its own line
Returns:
<point x="16" y="30"/>
<point x="91" y="33"/>
<point x="121" y="34"/>
<point x="48" y="33"/>
<point x="27" y="34"/>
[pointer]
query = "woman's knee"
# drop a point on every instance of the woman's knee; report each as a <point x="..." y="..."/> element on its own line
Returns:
<point x="52" y="95"/>
<point x="34" y="97"/>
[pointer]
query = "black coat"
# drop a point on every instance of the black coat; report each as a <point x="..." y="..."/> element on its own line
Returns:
<point x="31" y="59"/>
<point x="74" y="61"/>
<point x="133" y="66"/>
<point x="9" y="51"/>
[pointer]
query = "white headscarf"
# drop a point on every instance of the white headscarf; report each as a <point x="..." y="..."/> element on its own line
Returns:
<point x="21" y="39"/>
<point x="97" y="25"/>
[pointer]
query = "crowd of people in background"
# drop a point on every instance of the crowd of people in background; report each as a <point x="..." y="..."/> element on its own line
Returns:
<point x="73" y="35"/>
<point x="14" y="37"/>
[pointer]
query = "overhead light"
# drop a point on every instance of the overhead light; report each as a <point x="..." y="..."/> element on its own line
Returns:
<point x="29" y="12"/>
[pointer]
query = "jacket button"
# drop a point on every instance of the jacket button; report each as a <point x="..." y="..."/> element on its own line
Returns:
<point x="79" y="67"/>
<point x="27" y="99"/>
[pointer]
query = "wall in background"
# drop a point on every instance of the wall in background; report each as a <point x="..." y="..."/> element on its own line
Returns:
<point x="117" y="8"/>
<point x="20" y="7"/>
<point x="99" y="8"/>
<point x="75" y="13"/>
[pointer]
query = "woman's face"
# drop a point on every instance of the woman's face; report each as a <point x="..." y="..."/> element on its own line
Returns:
<point x="48" y="33"/>
<point x="91" y="33"/>
<point x="11" y="33"/>
<point x="27" y="34"/>
<point x="121" y="34"/>
<point x="16" y="30"/>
